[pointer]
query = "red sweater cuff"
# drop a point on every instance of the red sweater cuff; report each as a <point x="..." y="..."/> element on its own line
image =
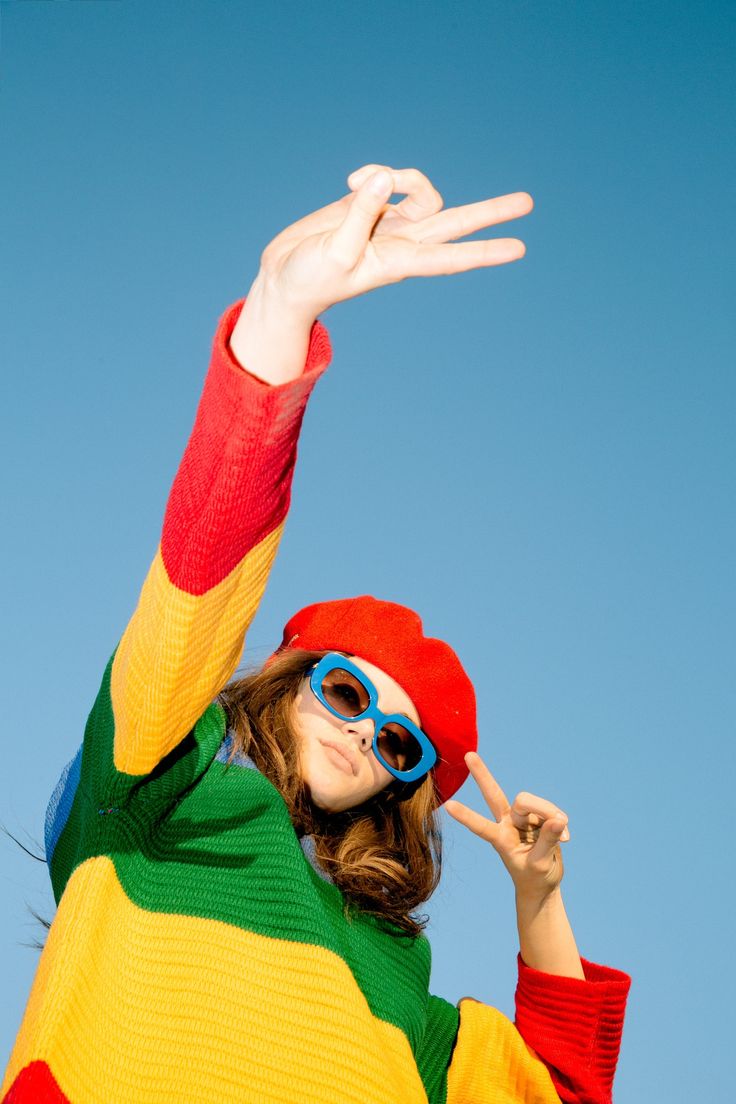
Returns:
<point x="319" y="353"/>
<point x="575" y="1027"/>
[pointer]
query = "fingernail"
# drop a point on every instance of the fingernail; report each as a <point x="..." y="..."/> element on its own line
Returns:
<point x="565" y="836"/>
<point x="380" y="182"/>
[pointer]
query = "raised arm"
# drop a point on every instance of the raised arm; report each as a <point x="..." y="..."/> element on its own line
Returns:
<point x="222" y="526"/>
<point x="569" y="1011"/>
<point x="231" y="493"/>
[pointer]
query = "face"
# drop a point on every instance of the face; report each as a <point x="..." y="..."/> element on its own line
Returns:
<point x="335" y="756"/>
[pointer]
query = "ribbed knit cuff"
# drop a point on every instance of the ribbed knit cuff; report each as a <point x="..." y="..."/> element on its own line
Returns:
<point x="319" y="352"/>
<point x="575" y="1027"/>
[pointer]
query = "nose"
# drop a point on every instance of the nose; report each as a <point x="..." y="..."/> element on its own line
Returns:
<point x="360" y="732"/>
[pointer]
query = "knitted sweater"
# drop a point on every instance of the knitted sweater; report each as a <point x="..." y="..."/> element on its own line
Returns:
<point x="197" y="954"/>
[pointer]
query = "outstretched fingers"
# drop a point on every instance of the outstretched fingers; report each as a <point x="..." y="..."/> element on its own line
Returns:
<point x="458" y="222"/>
<point x="493" y="795"/>
<point x="478" y="824"/>
<point x="445" y="260"/>
<point x="495" y="799"/>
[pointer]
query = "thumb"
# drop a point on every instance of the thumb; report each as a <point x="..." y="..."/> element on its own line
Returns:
<point x="550" y="834"/>
<point x="351" y="237"/>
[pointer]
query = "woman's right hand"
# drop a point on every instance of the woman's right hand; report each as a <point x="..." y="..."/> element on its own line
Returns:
<point x="361" y="241"/>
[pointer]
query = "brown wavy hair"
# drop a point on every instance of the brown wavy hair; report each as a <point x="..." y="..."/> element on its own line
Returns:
<point x="385" y="855"/>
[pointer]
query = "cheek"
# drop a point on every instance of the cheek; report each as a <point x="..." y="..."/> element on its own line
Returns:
<point x="300" y="709"/>
<point x="309" y="716"/>
<point x="305" y="721"/>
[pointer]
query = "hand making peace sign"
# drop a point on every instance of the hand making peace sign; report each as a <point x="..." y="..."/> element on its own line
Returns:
<point x="362" y="242"/>
<point x="526" y="834"/>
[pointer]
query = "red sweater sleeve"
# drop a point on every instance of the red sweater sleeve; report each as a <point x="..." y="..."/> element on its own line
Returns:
<point x="233" y="484"/>
<point x="575" y="1027"/>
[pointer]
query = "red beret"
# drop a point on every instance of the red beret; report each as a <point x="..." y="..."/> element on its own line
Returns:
<point x="391" y="637"/>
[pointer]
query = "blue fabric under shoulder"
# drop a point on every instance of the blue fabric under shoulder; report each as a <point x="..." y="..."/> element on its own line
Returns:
<point x="60" y="805"/>
<point x="226" y="750"/>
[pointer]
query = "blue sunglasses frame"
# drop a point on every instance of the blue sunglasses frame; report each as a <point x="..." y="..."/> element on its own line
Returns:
<point x="331" y="662"/>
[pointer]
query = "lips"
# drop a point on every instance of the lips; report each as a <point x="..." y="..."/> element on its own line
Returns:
<point x="344" y="756"/>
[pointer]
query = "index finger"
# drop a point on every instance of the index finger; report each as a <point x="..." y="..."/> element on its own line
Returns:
<point x="422" y="198"/>
<point x="494" y="796"/>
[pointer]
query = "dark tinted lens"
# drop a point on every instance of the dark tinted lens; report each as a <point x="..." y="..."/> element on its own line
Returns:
<point x="345" y="693"/>
<point x="398" y="747"/>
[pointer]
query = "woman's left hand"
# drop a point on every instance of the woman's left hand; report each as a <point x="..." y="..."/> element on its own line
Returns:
<point x="526" y="834"/>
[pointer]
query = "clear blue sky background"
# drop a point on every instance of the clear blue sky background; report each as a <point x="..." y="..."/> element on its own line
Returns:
<point x="543" y="452"/>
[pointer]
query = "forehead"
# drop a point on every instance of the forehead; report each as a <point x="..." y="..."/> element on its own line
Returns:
<point x="392" y="698"/>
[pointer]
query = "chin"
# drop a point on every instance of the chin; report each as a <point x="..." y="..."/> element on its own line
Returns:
<point x="329" y="801"/>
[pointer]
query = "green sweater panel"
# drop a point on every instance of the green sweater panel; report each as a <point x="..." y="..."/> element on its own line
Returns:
<point x="201" y="837"/>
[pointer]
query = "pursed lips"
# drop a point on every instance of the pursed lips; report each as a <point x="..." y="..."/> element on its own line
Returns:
<point x="347" y="753"/>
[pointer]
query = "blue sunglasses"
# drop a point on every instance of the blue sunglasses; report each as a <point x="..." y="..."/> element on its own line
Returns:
<point x="349" y="694"/>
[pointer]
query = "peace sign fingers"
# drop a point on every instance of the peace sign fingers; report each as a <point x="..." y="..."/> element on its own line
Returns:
<point x="458" y="222"/>
<point x="525" y="833"/>
<point x="479" y="825"/>
<point x="446" y="260"/>
<point x="494" y="796"/>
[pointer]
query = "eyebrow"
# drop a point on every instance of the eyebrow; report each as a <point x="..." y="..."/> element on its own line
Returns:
<point x="400" y="713"/>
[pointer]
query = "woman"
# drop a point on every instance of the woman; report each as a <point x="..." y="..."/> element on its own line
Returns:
<point x="236" y="877"/>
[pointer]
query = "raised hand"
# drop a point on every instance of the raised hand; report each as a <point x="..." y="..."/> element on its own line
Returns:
<point x="526" y="834"/>
<point x="362" y="242"/>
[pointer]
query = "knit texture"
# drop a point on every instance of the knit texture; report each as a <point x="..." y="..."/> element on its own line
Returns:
<point x="197" y="954"/>
<point x="575" y="1026"/>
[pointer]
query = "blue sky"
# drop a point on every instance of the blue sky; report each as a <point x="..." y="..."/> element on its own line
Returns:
<point x="543" y="452"/>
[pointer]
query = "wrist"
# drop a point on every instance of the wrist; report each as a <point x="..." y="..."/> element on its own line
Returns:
<point x="546" y="940"/>
<point x="270" y="339"/>
<point x="538" y="896"/>
<point x="271" y="306"/>
<point x="531" y="902"/>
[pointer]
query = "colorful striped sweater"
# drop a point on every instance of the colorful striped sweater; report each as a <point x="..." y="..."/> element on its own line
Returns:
<point x="197" y="954"/>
